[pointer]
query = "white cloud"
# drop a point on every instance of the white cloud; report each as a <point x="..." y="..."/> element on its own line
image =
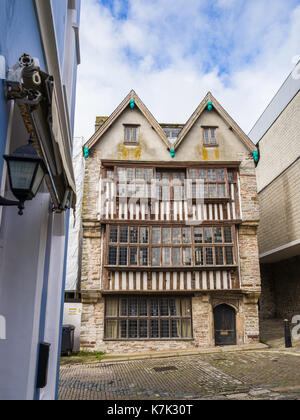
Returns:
<point x="172" y="52"/>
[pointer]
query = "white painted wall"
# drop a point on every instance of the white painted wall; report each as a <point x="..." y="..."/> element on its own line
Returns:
<point x="21" y="283"/>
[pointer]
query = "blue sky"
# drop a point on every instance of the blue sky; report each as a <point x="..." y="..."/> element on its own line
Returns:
<point x="173" y="51"/>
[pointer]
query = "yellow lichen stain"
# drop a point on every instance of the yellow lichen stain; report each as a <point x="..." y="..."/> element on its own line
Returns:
<point x="204" y="153"/>
<point x="217" y="154"/>
<point x="129" y="152"/>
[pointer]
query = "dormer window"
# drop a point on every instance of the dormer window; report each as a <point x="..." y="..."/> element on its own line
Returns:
<point x="210" y="136"/>
<point x="131" y="134"/>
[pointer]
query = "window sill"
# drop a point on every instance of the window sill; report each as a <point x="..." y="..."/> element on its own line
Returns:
<point x="128" y="143"/>
<point x="210" y="145"/>
<point x="148" y="339"/>
<point x="171" y="268"/>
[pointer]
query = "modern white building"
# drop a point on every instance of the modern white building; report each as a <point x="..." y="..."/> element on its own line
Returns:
<point x="39" y="54"/>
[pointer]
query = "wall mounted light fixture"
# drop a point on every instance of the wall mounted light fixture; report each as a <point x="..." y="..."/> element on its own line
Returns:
<point x="26" y="171"/>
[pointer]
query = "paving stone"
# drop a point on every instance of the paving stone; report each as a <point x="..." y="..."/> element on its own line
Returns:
<point x="197" y="377"/>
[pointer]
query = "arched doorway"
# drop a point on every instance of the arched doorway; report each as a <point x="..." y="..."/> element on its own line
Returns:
<point x="225" y="325"/>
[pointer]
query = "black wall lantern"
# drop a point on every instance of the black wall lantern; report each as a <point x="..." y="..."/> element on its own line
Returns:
<point x="26" y="171"/>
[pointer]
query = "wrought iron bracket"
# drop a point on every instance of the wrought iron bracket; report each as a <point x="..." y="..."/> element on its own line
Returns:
<point x="11" y="203"/>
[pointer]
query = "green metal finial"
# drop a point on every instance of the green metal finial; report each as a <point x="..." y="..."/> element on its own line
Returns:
<point x="209" y="106"/>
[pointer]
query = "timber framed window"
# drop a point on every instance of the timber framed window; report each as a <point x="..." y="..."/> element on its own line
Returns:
<point x="215" y="183"/>
<point x="131" y="134"/>
<point x="165" y="184"/>
<point x="169" y="246"/>
<point x="148" y="318"/>
<point x="209" y="136"/>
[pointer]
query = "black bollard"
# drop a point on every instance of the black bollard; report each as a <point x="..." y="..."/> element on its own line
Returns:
<point x="287" y="334"/>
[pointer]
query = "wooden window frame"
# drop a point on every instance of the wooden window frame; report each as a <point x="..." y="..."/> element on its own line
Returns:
<point x="209" y="143"/>
<point x="148" y="318"/>
<point x="192" y="245"/>
<point x="131" y="127"/>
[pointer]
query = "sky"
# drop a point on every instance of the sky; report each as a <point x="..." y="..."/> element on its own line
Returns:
<point x="172" y="52"/>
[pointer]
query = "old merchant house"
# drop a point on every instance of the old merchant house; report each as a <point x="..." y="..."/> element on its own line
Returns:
<point x="170" y="217"/>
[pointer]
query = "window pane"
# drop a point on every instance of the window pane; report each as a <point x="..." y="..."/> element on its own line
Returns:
<point x="187" y="256"/>
<point x="156" y="256"/>
<point x="165" y="193"/>
<point x="113" y="234"/>
<point x="175" y="328"/>
<point x="122" y="174"/>
<point x="154" y="307"/>
<point x="198" y="256"/>
<point x="111" y="329"/>
<point x="111" y="307"/>
<point x="130" y="174"/>
<point x="219" y="256"/>
<point x="121" y="190"/>
<point x="198" y="235"/>
<point x="154" y="329"/>
<point x="156" y="235"/>
<point x="123" y="329"/>
<point x="110" y="174"/>
<point x="144" y="235"/>
<point x="132" y="333"/>
<point x="123" y="307"/>
<point x="186" y="235"/>
<point x="148" y="174"/>
<point x="133" y="235"/>
<point x="186" y="306"/>
<point x="176" y="236"/>
<point x="211" y="175"/>
<point x="230" y="175"/>
<point x="206" y="135"/>
<point x="208" y="235"/>
<point x="132" y="307"/>
<point x="175" y="307"/>
<point x="133" y="256"/>
<point x="221" y="191"/>
<point x="123" y="234"/>
<point x="212" y="191"/>
<point x="193" y="173"/>
<point x="221" y="175"/>
<point x="166" y="256"/>
<point x="134" y="134"/>
<point x="228" y="235"/>
<point x="176" y="256"/>
<point x="213" y="136"/>
<point x="164" y="328"/>
<point x="178" y="192"/>
<point x="186" y="328"/>
<point x="229" y="255"/>
<point x="218" y="235"/>
<point x="166" y="235"/>
<point x="164" y="307"/>
<point x="143" y="307"/>
<point x="209" y="256"/>
<point x="122" y="255"/>
<point x="143" y="332"/>
<point x="139" y="173"/>
<point x="143" y="256"/>
<point x="112" y="255"/>
<point x="203" y="174"/>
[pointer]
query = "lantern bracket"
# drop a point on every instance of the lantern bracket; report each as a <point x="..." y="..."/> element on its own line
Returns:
<point x="11" y="203"/>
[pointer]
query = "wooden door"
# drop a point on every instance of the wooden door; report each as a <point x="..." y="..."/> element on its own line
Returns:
<point x="225" y="325"/>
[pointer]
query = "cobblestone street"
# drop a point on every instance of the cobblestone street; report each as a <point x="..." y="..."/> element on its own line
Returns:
<point x="236" y="375"/>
